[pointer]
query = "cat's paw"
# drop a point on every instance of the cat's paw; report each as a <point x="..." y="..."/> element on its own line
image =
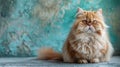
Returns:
<point x="83" y="61"/>
<point x="96" y="60"/>
<point x="104" y="59"/>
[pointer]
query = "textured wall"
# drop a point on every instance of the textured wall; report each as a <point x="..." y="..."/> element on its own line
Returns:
<point x="26" y="25"/>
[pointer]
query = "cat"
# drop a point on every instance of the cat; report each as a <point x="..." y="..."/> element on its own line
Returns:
<point x="87" y="41"/>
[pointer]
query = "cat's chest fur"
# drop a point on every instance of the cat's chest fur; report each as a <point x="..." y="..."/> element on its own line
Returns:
<point x="88" y="44"/>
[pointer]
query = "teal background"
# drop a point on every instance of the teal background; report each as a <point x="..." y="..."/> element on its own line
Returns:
<point x="23" y="31"/>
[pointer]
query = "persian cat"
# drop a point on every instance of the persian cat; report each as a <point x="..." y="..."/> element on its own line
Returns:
<point x="87" y="41"/>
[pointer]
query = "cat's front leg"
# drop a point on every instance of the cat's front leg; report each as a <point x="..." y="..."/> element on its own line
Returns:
<point x="82" y="61"/>
<point x="94" y="60"/>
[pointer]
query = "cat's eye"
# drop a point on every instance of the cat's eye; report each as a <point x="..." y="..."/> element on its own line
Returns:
<point x="94" y="21"/>
<point x="84" y="21"/>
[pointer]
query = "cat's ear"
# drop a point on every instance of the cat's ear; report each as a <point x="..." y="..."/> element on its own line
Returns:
<point x="79" y="10"/>
<point x="99" y="11"/>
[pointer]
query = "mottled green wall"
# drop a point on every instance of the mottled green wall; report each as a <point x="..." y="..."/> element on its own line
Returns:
<point x="26" y="25"/>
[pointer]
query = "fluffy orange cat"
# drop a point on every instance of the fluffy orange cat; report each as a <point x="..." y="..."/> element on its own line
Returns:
<point x="87" y="41"/>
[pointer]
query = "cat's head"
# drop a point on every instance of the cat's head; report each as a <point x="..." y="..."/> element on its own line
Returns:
<point x="89" y="21"/>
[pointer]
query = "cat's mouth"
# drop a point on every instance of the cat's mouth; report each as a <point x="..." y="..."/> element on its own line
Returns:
<point x="89" y="29"/>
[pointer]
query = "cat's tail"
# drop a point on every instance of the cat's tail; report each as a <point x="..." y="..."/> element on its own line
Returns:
<point x="49" y="54"/>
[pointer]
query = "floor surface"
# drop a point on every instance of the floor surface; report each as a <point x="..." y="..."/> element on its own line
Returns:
<point x="32" y="62"/>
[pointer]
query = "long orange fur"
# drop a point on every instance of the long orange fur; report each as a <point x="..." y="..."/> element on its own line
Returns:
<point x="87" y="41"/>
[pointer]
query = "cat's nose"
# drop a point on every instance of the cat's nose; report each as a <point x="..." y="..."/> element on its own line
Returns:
<point x="89" y="23"/>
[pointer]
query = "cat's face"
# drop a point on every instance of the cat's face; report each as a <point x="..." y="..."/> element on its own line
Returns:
<point x="89" y="21"/>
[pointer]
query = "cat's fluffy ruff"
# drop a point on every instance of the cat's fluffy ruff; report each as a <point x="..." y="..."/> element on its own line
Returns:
<point x="87" y="40"/>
